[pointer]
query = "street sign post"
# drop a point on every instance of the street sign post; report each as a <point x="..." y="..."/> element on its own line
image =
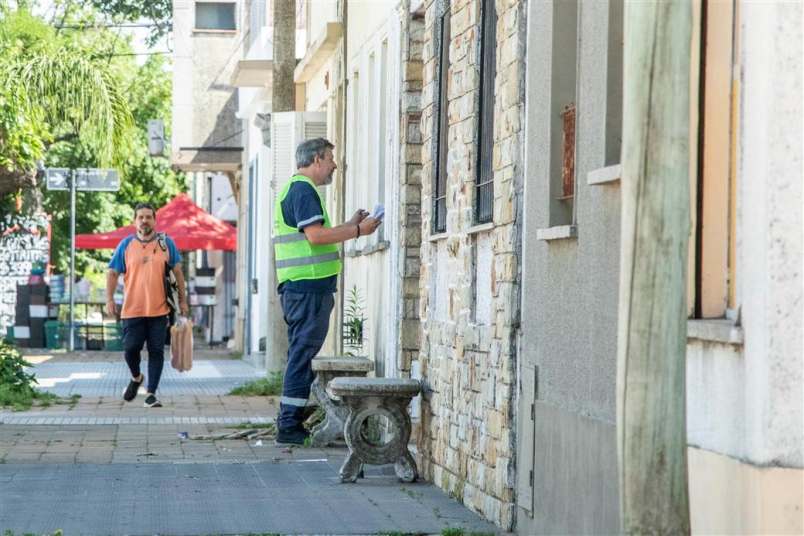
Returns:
<point x="156" y="137"/>
<point x="84" y="179"/>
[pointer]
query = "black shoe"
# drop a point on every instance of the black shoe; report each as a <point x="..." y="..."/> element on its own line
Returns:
<point x="152" y="402"/>
<point x="131" y="391"/>
<point x="292" y="436"/>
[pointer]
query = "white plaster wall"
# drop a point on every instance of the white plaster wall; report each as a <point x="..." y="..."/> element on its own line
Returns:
<point x="770" y="230"/>
<point x="203" y="85"/>
<point x="316" y="92"/>
<point x="370" y="274"/>
<point x="716" y="397"/>
<point x="375" y="271"/>
<point x="182" y="73"/>
<point x="319" y="12"/>
<point x="364" y="18"/>
<point x="483" y="281"/>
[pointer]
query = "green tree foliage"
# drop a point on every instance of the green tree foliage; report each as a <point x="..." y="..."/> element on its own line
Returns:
<point x="157" y="12"/>
<point x="56" y="82"/>
<point x="146" y="178"/>
<point x="101" y="122"/>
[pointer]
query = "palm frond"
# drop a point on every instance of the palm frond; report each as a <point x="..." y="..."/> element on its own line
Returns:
<point x="70" y="88"/>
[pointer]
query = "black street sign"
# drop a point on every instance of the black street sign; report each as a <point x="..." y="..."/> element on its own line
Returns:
<point x="58" y="178"/>
<point x="87" y="180"/>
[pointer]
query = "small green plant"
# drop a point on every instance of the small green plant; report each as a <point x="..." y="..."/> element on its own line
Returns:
<point x="315" y="417"/>
<point x="58" y="532"/>
<point x="452" y="532"/>
<point x="354" y="332"/>
<point x="270" y="386"/>
<point x="16" y="385"/>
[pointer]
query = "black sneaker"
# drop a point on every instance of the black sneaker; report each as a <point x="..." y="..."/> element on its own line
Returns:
<point x="292" y="436"/>
<point x="152" y="402"/>
<point x="131" y="391"/>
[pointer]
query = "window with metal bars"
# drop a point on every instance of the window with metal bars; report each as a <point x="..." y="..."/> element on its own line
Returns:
<point x="563" y="106"/>
<point x="442" y="124"/>
<point x="484" y="183"/>
<point x="568" y="152"/>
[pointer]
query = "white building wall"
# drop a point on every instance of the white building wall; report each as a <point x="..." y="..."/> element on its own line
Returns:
<point x="747" y="400"/>
<point x="373" y="172"/>
<point x="770" y="230"/>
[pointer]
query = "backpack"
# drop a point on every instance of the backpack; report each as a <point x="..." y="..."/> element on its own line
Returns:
<point x="171" y="285"/>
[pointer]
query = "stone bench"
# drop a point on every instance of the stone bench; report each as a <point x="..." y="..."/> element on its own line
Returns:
<point x="377" y="397"/>
<point x="326" y="369"/>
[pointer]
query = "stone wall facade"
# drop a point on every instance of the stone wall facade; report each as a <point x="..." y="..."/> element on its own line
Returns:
<point x="412" y="40"/>
<point x="469" y="284"/>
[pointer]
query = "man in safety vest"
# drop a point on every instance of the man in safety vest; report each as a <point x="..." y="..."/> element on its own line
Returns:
<point x="307" y="268"/>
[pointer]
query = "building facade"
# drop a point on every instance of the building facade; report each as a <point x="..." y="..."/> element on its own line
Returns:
<point x="491" y="131"/>
<point x="207" y="142"/>
<point x="472" y="128"/>
<point x="744" y="355"/>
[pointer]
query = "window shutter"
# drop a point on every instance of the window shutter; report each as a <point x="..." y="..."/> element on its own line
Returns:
<point x="282" y="149"/>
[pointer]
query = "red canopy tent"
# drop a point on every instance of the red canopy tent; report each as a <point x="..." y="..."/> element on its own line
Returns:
<point x="189" y="226"/>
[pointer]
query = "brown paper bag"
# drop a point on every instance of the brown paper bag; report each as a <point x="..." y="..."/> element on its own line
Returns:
<point x="181" y="345"/>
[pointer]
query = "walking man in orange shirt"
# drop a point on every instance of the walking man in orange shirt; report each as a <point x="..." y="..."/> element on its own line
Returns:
<point x="143" y="259"/>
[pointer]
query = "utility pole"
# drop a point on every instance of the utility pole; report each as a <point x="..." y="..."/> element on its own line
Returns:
<point x="71" y="344"/>
<point x="284" y="56"/>
<point x="72" y="180"/>
<point x="283" y="99"/>
<point x="652" y="333"/>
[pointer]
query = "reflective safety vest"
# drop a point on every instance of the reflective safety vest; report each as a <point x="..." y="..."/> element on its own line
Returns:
<point x="296" y="257"/>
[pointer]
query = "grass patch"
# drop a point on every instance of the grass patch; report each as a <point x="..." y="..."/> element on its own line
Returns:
<point x="462" y="532"/>
<point x="11" y="533"/>
<point x="270" y="386"/>
<point x="17" y="386"/>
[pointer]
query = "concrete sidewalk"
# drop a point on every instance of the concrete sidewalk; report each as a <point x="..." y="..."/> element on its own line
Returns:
<point x="302" y="496"/>
<point x="207" y="377"/>
<point x="103" y="430"/>
<point x="103" y="466"/>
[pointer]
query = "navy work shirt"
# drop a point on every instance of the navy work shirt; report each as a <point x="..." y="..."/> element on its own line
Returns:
<point x="301" y="208"/>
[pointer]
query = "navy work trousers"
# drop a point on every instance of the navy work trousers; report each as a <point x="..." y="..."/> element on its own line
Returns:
<point x="307" y="317"/>
<point x="137" y="332"/>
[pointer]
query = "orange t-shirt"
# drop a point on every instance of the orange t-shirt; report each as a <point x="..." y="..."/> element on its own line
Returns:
<point x="143" y="266"/>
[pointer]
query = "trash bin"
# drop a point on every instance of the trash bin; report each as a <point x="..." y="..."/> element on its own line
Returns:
<point x="94" y="336"/>
<point x="54" y="334"/>
<point x="113" y="337"/>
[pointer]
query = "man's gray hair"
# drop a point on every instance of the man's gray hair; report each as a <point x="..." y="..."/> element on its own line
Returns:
<point x="309" y="149"/>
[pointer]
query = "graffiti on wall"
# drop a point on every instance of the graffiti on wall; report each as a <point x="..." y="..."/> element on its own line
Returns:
<point x="23" y="242"/>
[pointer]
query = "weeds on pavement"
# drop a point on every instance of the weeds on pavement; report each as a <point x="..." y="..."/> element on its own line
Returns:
<point x="17" y="386"/>
<point x="270" y="386"/>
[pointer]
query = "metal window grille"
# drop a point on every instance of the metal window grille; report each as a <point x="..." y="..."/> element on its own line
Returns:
<point x="440" y="187"/>
<point x="568" y="163"/>
<point x="484" y="184"/>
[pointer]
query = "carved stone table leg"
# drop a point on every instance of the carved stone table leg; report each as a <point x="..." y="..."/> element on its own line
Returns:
<point x="405" y="468"/>
<point x="363" y="450"/>
<point x="351" y="468"/>
<point x="330" y="429"/>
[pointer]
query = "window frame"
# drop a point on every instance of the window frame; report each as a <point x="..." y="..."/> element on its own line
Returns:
<point x="197" y="28"/>
<point x="484" y="168"/>
<point x="443" y="38"/>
